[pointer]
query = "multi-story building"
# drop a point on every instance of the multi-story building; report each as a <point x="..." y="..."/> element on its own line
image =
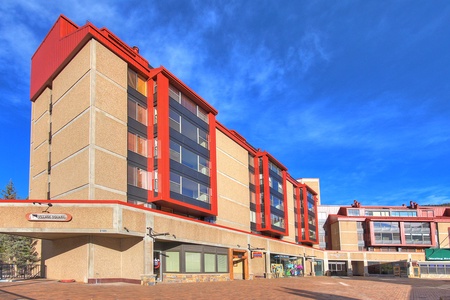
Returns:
<point x="374" y="230"/>
<point x="134" y="179"/>
<point x="106" y="125"/>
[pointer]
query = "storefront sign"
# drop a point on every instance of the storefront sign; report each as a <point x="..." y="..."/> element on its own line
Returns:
<point x="437" y="254"/>
<point x="49" y="217"/>
<point x="257" y="254"/>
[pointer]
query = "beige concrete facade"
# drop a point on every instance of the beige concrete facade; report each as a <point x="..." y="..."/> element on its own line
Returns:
<point x="108" y="240"/>
<point x="79" y="148"/>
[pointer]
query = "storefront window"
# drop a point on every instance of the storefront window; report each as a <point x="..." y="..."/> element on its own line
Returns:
<point x="193" y="261"/>
<point x="210" y="262"/>
<point x="172" y="261"/>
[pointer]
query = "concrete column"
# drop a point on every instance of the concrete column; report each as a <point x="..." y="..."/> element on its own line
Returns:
<point x="349" y="265"/>
<point x="268" y="273"/>
<point x="366" y="266"/>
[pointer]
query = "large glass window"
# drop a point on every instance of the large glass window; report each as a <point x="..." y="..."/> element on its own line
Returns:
<point x="188" y="129"/>
<point x="277" y="220"/>
<point x="408" y="213"/>
<point x="137" y="82"/>
<point x="189" y="188"/>
<point x="274" y="168"/>
<point x="386" y="232"/>
<point x="137" y="112"/>
<point x="276" y="202"/>
<point x="377" y="213"/>
<point x="137" y="144"/>
<point x="417" y="233"/>
<point x="189" y="158"/>
<point x="190" y="105"/>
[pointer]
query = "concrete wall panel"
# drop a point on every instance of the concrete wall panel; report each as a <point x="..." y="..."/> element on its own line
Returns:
<point x="76" y="69"/>
<point x="72" y="104"/>
<point x="70" y="174"/>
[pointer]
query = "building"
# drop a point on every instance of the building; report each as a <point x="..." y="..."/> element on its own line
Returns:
<point x="132" y="178"/>
<point x="382" y="234"/>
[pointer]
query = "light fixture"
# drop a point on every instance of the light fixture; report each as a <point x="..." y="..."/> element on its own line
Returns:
<point x="46" y="210"/>
<point x="151" y="233"/>
<point x="254" y="248"/>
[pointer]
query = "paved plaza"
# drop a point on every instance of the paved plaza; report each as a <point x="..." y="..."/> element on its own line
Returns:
<point x="386" y="288"/>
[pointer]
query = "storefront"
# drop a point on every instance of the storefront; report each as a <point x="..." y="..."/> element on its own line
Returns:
<point x="286" y="266"/>
<point x="173" y="261"/>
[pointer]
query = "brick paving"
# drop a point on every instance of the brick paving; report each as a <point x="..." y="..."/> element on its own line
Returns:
<point x="340" y="288"/>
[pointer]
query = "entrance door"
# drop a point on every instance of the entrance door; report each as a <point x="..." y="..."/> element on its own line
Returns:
<point x="238" y="264"/>
<point x="318" y="267"/>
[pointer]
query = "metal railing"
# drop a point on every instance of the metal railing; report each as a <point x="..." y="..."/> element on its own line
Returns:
<point x="13" y="271"/>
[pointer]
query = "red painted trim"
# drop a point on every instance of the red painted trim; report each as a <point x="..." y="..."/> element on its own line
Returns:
<point x="285" y="204"/>
<point x="259" y="225"/>
<point x="267" y="216"/>
<point x="150" y="139"/>
<point x="163" y="137"/>
<point x="316" y="220"/>
<point x="298" y="213"/>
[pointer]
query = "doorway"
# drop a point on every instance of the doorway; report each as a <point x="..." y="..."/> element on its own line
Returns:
<point x="238" y="264"/>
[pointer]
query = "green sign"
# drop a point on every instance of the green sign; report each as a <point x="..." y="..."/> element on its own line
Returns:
<point x="442" y="254"/>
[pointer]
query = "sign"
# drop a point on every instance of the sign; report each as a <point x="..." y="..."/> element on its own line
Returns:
<point x="48" y="217"/>
<point x="257" y="254"/>
<point x="437" y="254"/>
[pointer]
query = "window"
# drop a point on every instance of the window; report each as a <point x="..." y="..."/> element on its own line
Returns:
<point x="137" y="177"/>
<point x="210" y="262"/>
<point x="137" y="82"/>
<point x="193" y="261"/>
<point x="417" y="233"/>
<point x="190" y="105"/>
<point x="377" y="213"/>
<point x="353" y="212"/>
<point x="189" y="188"/>
<point x="137" y="112"/>
<point x="222" y="263"/>
<point x="188" y="129"/>
<point x="188" y="158"/>
<point x="276" y="202"/>
<point x="172" y="261"/>
<point x="277" y="220"/>
<point x="408" y="213"/>
<point x="386" y="232"/>
<point x="137" y="144"/>
<point x="274" y="168"/>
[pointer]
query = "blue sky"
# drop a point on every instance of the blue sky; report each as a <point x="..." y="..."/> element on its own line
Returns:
<point x="355" y="93"/>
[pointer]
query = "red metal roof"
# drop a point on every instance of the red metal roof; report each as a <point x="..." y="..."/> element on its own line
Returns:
<point x="61" y="44"/>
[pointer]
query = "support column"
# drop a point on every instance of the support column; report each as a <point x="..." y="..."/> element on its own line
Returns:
<point x="366" y="266"/>
<point x="349" y="265"/>
<point x="268" y="271"/>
